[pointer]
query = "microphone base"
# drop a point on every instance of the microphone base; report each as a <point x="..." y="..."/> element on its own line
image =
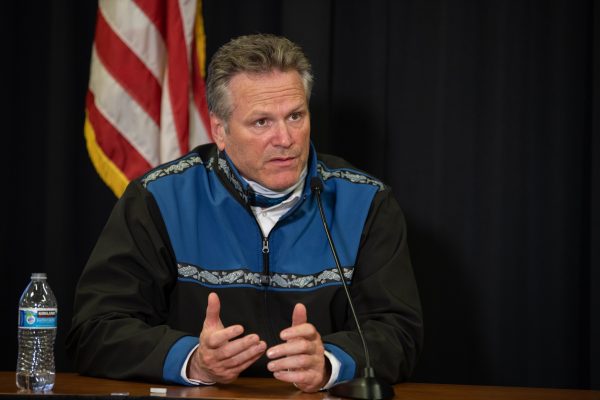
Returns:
<point x="368" y="388"/>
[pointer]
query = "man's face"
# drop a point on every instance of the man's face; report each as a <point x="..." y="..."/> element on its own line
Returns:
<point x="268" y="132"/>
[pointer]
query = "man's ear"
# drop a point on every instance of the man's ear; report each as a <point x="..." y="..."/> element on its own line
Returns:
<point x="217" y="128"/>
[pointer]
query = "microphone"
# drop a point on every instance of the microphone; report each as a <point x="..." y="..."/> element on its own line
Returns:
<point x="367" y="387"/>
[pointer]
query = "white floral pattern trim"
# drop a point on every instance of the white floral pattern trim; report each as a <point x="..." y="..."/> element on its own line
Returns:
<point x="243" y="276"/>
<point x="348" y="175"/>
<point x="170" y="169"/>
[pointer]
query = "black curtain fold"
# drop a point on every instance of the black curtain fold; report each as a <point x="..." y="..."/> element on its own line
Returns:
<point x="594" y="199"/>
<point x="483" y="116"/>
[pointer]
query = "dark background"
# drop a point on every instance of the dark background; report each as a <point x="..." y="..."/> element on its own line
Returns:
<point x="482" y="115"/>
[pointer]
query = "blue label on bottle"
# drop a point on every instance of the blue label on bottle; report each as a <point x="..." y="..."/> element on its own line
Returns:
<point x="37" y="318"/>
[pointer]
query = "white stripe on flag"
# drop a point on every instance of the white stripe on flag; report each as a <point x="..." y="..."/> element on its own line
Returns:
<point x="137" y="31"/>
<point x="187" y="9"/>
<point x="169" y="145"/>
<point x="123" y="112"/>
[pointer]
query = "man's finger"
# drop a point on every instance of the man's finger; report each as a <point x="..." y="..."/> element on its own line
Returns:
<point x="295" y="376"/>
<point x="248" y="363"/>
<point x="229" y="348"/>
<point x="291" y="348"/>
<point x="252" y="352"/>
<point x="299" y="321"/>
<point x="220" y="337"/>
<point x="299" y="315"/>
<point x="213" y="309"/>
<point x="293" y="362"/>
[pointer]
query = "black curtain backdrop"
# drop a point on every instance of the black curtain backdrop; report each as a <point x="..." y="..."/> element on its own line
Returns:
<point x="483" y="116"/>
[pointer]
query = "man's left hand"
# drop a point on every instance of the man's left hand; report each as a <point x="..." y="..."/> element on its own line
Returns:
<point x="301" y="359"/>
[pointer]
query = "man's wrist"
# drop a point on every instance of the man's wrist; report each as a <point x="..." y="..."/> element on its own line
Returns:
<point x="191" y="374"/>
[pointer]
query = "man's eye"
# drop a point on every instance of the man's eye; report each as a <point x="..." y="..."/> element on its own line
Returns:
<point x="295" y="116"/>
<point x="260" y="122"/>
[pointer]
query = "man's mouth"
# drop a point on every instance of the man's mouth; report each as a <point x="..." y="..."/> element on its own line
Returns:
<point x="283" y="161"/>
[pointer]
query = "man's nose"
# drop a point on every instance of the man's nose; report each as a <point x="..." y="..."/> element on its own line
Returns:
<point x="282" y="135"/>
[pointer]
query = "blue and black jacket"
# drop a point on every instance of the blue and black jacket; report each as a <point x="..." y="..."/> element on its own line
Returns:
<point x="186" y="229"/>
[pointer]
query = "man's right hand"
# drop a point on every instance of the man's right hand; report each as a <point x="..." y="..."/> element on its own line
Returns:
<point x="221" y="357"/>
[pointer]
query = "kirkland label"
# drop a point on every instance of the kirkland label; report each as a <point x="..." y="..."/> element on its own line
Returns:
<point x="37" y="318"/>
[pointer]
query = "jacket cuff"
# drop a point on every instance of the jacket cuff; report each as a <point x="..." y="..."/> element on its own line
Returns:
<point x="347" y="363"/>
<point x="175" y="359"/>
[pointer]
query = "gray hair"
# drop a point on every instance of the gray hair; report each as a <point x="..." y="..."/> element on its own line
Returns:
<point x="255" y="54"/>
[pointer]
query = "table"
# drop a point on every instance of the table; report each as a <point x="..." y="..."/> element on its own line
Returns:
<point x="73" y="386"/>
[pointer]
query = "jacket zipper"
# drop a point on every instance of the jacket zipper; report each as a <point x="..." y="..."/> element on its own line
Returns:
<point x="265" y="276"/>
<point x="265" y="281"/>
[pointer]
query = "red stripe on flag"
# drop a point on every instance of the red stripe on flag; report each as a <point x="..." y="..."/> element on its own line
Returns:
<point x="155" y="11"/>
<point x="200" y="93"/>
<point x="115" y="158"/>
<point x="127" y="69"/>
<point x="178" y="74"/>
<point x="114" y="145"/>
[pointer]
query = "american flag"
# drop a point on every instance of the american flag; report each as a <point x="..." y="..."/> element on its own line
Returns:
<point x="146" y="100"/>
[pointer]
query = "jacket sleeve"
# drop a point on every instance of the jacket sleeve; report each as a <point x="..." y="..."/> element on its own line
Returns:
<point x="122" y="299"/>
<point x="386" y="299"/>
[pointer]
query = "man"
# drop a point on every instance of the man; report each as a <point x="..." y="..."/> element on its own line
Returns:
<point x="227" y="242"/>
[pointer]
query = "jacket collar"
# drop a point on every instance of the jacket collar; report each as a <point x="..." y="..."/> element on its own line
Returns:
<point x="234" y="180"/>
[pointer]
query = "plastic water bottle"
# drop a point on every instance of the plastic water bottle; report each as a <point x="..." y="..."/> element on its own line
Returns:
<point x="37" y="331"/>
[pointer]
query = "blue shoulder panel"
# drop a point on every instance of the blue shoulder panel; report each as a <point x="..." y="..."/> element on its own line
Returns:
<point x="206" y="225"/>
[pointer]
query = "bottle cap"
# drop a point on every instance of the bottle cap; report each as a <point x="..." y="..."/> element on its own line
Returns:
<point x="38" y="275"/>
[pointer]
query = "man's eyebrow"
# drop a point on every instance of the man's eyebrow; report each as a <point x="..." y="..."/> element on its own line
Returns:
<point x="258" y="114"/>
<point x="264" y="113"/>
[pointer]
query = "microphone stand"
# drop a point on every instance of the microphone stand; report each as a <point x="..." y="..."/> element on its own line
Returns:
<point x="367" y="387"/>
